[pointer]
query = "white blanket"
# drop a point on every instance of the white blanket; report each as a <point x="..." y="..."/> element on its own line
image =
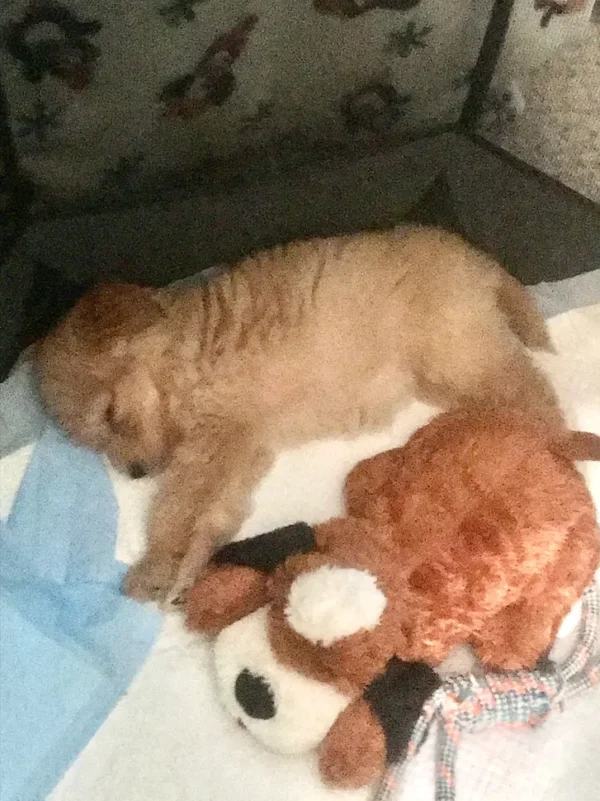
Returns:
<point x="169" y="740"/>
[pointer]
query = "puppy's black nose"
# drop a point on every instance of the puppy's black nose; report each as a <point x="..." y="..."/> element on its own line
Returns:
<point x="136" y="470"/>
<point x="254" y="695"/>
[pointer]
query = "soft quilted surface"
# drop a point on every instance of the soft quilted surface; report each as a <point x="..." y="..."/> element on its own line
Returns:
<point x="168" y="739"/>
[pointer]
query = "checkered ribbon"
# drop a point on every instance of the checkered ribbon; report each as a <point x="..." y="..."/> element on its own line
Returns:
<point x="515" y="699"/>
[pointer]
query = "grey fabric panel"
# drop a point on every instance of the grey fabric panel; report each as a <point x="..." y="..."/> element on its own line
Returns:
<point x="557" y="297"/>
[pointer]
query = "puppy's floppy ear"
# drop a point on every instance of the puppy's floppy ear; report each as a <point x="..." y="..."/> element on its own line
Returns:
<point x="114" y="310"/>
<point x="135" y="403"/>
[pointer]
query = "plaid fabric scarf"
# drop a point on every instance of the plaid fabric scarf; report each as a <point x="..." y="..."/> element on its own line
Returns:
<point x="515" y="699"/>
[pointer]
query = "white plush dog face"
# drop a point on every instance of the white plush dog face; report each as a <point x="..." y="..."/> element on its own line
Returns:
<point x="286" y="711"/>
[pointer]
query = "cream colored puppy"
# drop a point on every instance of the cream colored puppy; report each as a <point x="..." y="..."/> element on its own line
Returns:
<point x="314" y="339"/>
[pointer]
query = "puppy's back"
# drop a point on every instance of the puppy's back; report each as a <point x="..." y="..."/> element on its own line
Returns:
<point x="348" y="324"/>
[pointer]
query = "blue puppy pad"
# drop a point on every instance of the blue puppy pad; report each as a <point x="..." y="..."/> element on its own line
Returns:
<point x="70" y="643"/>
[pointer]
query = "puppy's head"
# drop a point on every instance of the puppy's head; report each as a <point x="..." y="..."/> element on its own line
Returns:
<point x="100" y="376"/>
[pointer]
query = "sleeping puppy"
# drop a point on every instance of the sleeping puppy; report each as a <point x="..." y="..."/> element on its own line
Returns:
<point x="318" y="338"/>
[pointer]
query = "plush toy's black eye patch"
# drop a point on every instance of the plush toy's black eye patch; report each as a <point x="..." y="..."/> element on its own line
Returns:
<point x="254" y="695"/>
<point x="267" y="551"/>
<point x="396" y="698"/>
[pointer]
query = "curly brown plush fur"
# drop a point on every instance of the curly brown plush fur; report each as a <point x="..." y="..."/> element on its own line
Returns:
<point x="315" y="339"/>
<point x="479" y="531"/>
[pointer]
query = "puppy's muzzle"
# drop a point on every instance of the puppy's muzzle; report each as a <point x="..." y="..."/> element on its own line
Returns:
<point x="137" y="470"/>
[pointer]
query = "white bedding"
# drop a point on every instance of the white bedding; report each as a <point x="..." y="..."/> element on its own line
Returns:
<point x="168" y="739"/>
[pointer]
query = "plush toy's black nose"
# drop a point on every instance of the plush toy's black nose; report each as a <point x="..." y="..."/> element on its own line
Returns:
<point x="137" y="470"/>
<point x="254" y="695"/>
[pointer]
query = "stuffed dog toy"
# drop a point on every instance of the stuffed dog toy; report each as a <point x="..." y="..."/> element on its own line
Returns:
<point x="479" y="531"/>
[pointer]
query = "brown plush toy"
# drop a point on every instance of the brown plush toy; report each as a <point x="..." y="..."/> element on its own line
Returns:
<point x="480" y="530"/>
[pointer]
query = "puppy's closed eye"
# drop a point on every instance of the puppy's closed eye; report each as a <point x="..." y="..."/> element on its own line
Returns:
<point x="109" y="414"/>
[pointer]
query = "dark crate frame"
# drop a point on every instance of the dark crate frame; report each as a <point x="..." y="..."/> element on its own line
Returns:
<point x="43" y="289"/>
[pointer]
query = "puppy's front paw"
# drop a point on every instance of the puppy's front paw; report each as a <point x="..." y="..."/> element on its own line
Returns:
<point x="152" y="578"/>
<point x="188" y="571"/>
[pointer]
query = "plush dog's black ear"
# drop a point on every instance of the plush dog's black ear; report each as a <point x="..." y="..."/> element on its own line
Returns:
<point x="267" y="551"/>
<point x="396" y="698"/>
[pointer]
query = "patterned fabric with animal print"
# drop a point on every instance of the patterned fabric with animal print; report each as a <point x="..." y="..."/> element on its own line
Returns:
<point x="111" y="99"/>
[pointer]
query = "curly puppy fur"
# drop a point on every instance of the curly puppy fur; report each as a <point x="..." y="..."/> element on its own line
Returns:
<point x="317" y="338"/>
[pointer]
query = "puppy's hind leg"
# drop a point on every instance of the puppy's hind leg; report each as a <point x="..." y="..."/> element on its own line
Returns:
<point x="522" y="314"/>
<point x="520" y="385"/>
<point x="490" y="366"/>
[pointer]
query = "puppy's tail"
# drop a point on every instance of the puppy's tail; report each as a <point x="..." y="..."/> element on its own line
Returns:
<point x="578" y="446"/>
<point x="522" y="314"/>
